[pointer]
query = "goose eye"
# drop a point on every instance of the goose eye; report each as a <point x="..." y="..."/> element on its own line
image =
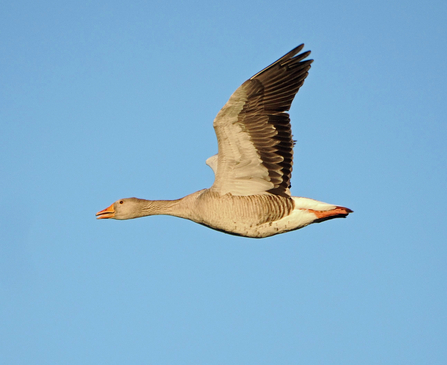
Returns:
<point x="121" y="202"/>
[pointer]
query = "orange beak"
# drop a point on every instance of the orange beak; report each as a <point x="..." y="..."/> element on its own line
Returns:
<point x="109" y="212"/>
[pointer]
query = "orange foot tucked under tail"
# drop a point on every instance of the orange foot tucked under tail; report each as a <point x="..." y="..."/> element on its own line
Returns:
<point x="324" y="215"/>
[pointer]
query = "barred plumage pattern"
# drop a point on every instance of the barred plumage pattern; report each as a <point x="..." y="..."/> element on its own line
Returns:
<point x="256" y="209"/>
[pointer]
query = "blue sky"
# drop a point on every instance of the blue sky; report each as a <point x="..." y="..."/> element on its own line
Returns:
<point x="104" y="100"/>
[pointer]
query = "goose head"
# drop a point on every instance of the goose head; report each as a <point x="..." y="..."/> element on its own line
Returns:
<point x="127" y="208"/>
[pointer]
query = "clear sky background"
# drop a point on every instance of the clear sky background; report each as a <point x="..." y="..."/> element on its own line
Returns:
<point x="101" y="100"/>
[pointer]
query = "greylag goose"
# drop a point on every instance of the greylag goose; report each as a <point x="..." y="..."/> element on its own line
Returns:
<point x="251" y="192"/>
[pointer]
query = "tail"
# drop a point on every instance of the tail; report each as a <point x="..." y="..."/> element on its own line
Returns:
<point x="322" y="211"/>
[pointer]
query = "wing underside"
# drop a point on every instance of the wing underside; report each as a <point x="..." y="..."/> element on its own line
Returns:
<point x="255" y="146"/>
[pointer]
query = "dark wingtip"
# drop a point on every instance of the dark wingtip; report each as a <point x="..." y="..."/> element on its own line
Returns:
<point x="288" y="58"/>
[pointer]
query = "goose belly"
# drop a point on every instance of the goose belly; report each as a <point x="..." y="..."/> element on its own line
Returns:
<point x="254" y="216"/>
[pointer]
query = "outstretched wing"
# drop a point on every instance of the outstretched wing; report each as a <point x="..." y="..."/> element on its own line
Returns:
<point x="255" y="146"/>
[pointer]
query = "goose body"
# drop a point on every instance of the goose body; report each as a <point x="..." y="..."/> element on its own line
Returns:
<point x="251" y="193"/>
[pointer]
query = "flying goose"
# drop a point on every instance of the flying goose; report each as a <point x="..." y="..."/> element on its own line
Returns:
<point x="250" y="196"/>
